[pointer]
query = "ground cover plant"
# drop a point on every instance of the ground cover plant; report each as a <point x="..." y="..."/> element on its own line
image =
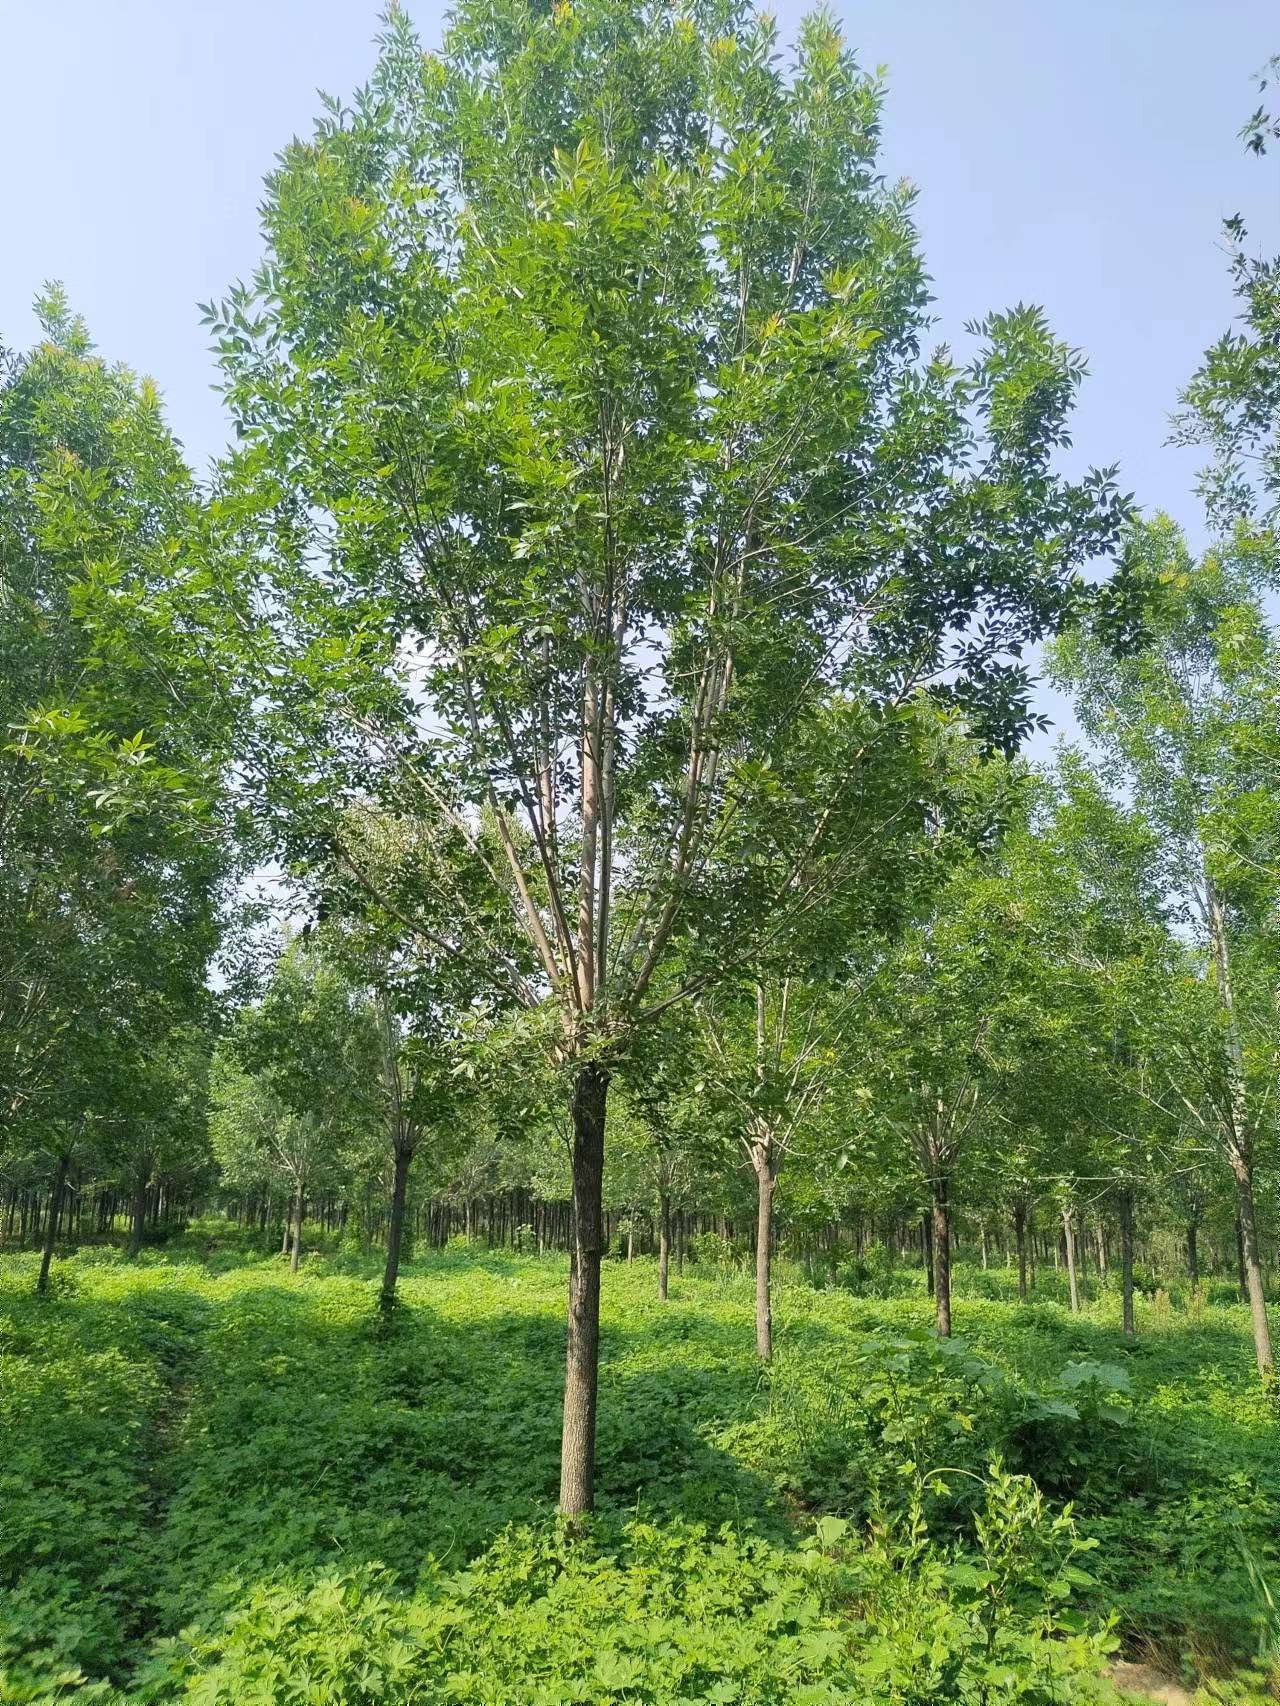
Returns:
<point x="225" y="1482"/>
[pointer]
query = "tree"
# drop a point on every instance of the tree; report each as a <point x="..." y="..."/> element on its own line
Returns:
<point x="1232" y="404"/>
<point x="114" y="729"/>
<point x="589" y="464"/>
<point x="971" y="1040"/>
<point x="1187" y="721"/>
<point x="159" y="1118"/>
<point x="775" y="1052"/>
<point x="315" y="1048"/>
<point x="670" y="1136"/>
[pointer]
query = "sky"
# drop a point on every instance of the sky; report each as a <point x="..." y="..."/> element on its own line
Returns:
<point x="1080" y="154"/>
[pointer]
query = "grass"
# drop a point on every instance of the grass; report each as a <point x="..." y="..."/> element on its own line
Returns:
<point x="223" y="1482"/>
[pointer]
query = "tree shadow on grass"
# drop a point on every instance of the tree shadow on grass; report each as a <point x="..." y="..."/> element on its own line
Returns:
<point x="320" y="1435"/>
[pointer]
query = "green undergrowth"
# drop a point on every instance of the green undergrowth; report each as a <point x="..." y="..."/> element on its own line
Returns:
<point x="220" y="1482"/>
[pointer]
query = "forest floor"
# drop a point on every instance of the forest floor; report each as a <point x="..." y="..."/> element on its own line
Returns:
<point x="220" y="1482"/>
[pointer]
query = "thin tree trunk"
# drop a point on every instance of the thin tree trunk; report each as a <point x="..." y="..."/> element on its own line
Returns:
<point x="1248" y="1227"/>
<point x="664" y="1244"/>
<point x="582" y="1361"/>
<point x="1193" y="1254"/>
<point x="1020" y="1236"/>
<point x="941" y="1256"/>
<point x="51" y="1226"/>
<point x="926" y="1251"/>
<point x="1126" y="1261"/>
<point x="1239" y="1143"/>
<point x="299" y="1204"/>
<point x="764" y="1255"/>
<point x="395" y="1227"/>
<point x="1069" y="1242"/>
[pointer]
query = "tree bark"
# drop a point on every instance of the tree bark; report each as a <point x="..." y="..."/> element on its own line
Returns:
<point x="1238" y="1134"/>
<point x="664" y="1245"/>
<point x="1193" y="1254"/>
<point x="139" y="1214"/>
<point x="1248" y="1228"/>
<point x="582" y="1360"/>
<point x="1069" y="1241"/>
<point x="941" y="1256"/>
<point x="51" y="1227"/>
<point x="395" y="1227"/>
<point x="1020" y="1236"/>
<point x="926" y="1251"/>
<point x="1126" y="1261"/>
<point x="764" y="1256"/>
<point x="299" y="1204"/>
<point x="1242" y="1280"/>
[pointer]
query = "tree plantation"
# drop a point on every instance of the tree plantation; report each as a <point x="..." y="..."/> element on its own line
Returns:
<point x="588" y="1111"/>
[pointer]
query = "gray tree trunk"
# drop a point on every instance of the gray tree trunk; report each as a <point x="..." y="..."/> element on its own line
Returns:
<point x="582" y="1359"/>
<point x="51" y="1228"/>
<point x="395" y="1226"/>
<point x="764" y="1256"/>
<point x="299" y="1205"/>
<point x="1069" y="1241"/>
<point x="1020" y="1237"/>
<point x="1238" y="1136"/>
<point x="139" y="1215"/>
<point x="1126" y="1261"/>
<point x="941" y="1229"/>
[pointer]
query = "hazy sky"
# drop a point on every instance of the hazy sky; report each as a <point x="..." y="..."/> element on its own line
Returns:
<point x="1077" y="153"/>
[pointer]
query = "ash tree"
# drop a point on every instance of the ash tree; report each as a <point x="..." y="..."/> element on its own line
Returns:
<point x="1187" y="725"/>
<point x="117" y="845"/>
<point x="590" y="470"/>
<point x="315" y="1045"/>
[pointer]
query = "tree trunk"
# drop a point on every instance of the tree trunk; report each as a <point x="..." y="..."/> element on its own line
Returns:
<point x="764" y="1258"/>
<point x="1069" y="1242"/>
<point x="664" y="1244"/>
<point x="1242" y="1280"/>
<point x="139" y="1215"/>
<point x="986" y="1257"/>
<point x="299" y="1204"/>
<point x="51" y="1227"/>
<point x="1020" y="1236"/>
<point x="926" y="1251"/>
<point x="1126" y="1261"/>
<point x="941" y="1256"/>
<point x="1193" y="1254"/>
<point x="1248" y="1229"/>
<point x="582" y="1361"/>
<point x="395" y="1227"/>
<point x="1239" y="1141"/>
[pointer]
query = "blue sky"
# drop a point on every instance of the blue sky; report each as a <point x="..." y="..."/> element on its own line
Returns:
<point x="1080" y="155"/>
